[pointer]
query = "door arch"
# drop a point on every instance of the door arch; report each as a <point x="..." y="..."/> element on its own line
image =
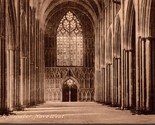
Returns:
<point x="69" y="91"/>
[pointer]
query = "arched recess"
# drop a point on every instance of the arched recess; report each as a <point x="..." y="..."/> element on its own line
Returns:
<point x="117" y="62"/>
<point x="52" y="24"/>
<point x="72" y="78"/>
<point x="108" y="86"/>
<point x="143" y="21"/>
<point x="92" y="7"/>
<point x="70" y="90"/>
<point x="51" y="34"/>
<point x="129" y="57"/>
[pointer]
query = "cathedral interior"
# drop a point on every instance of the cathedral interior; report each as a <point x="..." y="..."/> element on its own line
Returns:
<point x="99" y="51"/>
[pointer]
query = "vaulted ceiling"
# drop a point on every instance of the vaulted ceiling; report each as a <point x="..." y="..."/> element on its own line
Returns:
<point x="45" y="8"/>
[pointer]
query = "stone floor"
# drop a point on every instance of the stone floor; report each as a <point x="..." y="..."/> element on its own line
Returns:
<point x="77" y="112"/>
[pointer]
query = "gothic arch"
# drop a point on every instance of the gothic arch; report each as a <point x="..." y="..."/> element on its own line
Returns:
<point x="130" y="15"/>
<point x="117" y="37"/>
<point x="109" y="47"/>
<point x="88" y="36"/>
<point x="49" y="6"/>
<point x="72" y="78"/>
<point x="117" y="62"/>
<point x="152" y="19"/>
<point x="129" y="57"/>
<point x="146" y="16"/>
<point x="12" y="20"/>
<point x="69" y="7"/>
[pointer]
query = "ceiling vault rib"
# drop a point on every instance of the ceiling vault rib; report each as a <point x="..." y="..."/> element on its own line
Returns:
<point x="45" y="7"/>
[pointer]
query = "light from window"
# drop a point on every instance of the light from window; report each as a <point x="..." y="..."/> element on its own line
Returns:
<point x="69" y="41"/>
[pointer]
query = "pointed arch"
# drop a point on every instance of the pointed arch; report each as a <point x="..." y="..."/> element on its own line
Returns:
<point x="129" y="56"/>
<point x="117" y="37"/>
<point x="69" y="41"/>
<point x="152" y="19"/>
<point x="109" y="47"/>
<point x="12" y="22"/>
<point x="129" y="20"/>
<point x="72" y="78"/>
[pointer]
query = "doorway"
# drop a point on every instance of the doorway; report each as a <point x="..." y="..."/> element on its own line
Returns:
<point x="69" y="91"/>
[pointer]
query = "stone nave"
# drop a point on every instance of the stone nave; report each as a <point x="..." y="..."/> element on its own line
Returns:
<point x="77" y="51"/>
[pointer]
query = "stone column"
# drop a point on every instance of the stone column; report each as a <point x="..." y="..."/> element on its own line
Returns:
<point x="32" y="55"/>
<point x="143" y="77"/>
<point x="29" y="56"/>
<point x="130" y="77"/>
<point x="119" y="81"/>
<point x="114" y="80"/>
<point x="97" y="64"/>
<point x="43" y="67"/>
<point x="27" y="51"/>
<point x="12" y="78"/>
<point x="111" y="99"/>
<point x="103" y="83"/>
<point x="124" y="80"/>
<point x="148" y="74"/>
<point x="107" y="85"/>
<point x="139" y="83"/>
<point x="123" y="40"/>
<point x="22" y="81"/>
<point x="39" y="63"/>
<point x="35" y="56"/>
<point x="17" y="56"/>
<point x="22" y="45"/>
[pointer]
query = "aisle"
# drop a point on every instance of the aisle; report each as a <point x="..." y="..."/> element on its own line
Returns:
<point x="77" y="112"/>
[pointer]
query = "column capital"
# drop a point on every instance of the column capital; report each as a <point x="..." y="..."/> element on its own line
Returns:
<point x="117" y="58"/>
<point x="11" y="49"/>
<point x="23" y="57"/>
<point x="116" y="2"/>
<point x="109" y="64"/>
<point x="17" y="48"/>
<point x="2" y="36"/>
<point x="124" y="50"/>
<point x="103" y="68"/>
<point x="31" y="63"/>
<point x="128" y="50"/>
<point x="146" y="38"/>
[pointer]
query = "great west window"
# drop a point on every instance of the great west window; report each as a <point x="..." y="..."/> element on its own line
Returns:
<point x="69" y="41"/>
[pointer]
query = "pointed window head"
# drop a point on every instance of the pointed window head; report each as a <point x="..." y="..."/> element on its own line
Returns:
<point x="69" y="41"/>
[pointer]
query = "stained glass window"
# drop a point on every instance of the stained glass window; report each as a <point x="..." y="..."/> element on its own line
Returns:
<point x="69" y="41"/>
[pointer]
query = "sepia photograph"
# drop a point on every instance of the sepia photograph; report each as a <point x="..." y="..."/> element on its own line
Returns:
<point x="77" y="61"/>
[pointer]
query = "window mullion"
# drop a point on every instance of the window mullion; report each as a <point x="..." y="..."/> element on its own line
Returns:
<point x="70" y="47"/>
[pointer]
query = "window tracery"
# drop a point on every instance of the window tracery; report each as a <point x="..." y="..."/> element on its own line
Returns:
<point x="69" y="41"/>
